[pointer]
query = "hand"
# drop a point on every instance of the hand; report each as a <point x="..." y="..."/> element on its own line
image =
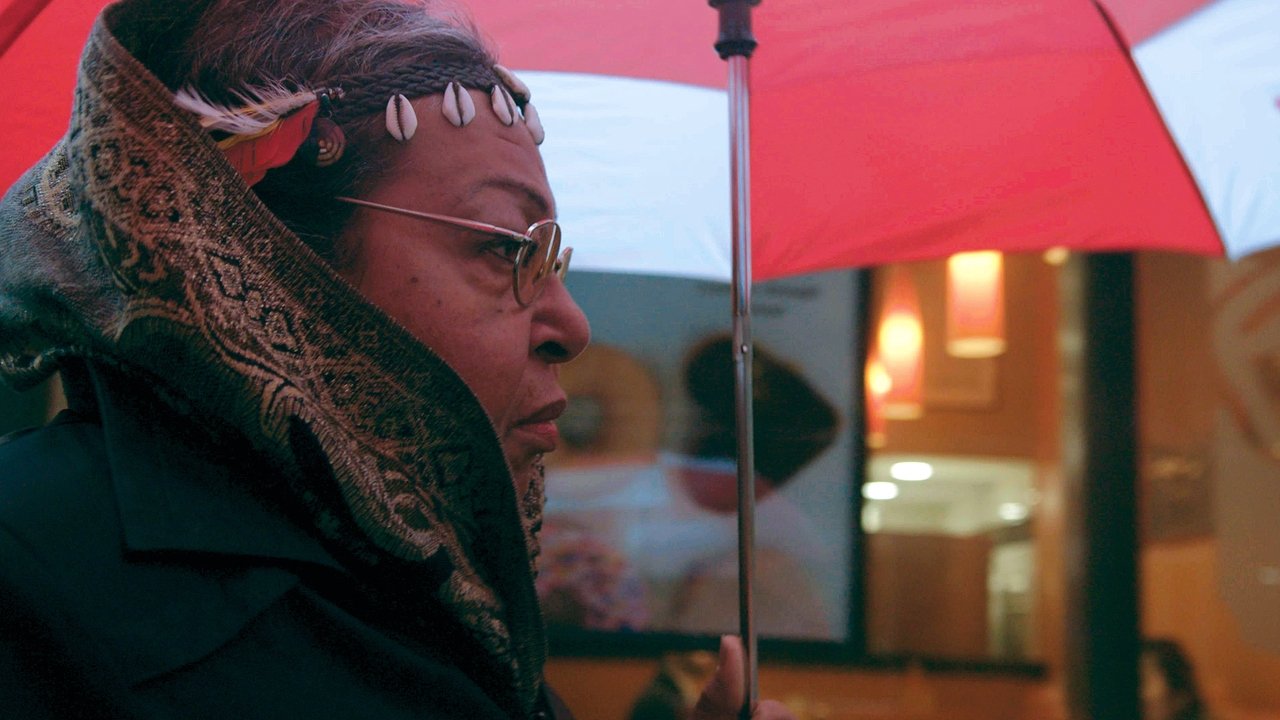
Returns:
<point x="723" y="696"/>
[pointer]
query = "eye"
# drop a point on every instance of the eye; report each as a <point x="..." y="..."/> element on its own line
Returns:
<point x="505" y="247"/>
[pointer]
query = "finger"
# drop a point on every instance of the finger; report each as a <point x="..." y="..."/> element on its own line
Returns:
<point x="772" y="710"/>
<point x="723" y="695"/>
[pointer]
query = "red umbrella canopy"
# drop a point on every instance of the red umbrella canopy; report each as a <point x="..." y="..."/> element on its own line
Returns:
<point x="904" y="129"/>
<point x="37" y="75"/>
<point x="881" y="131"/>
<point x="963" y="126"/>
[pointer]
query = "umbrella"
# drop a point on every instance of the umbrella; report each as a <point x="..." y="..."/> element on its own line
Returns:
<point x="40" y="44"/>
<point x="883" y="131"/>
<point x="905" y="129"/>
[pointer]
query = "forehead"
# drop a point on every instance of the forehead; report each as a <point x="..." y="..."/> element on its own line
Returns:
<point x="467" y="170"/>
<point x="524" y="192"/>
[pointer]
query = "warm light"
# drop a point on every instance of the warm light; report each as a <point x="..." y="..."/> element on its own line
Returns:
<point x="877" y="387"/>
<point x="880" y="490"/>
<point x="872" y="520"/>
<point x="911" y="471"/>
<point x="1056" y="255"/>
<point x="900" y="345"/>
<point x="1012" y="511"/>
<point x="975" y="304"/>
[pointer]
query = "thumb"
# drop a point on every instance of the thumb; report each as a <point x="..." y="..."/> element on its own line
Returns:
<point x="723" y="696"/>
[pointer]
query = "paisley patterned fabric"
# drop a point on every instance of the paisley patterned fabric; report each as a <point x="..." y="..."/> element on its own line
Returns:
<point x="135" y="243"/>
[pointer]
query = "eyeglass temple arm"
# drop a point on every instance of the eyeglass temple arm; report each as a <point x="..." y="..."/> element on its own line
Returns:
<point x="460" y="222"/>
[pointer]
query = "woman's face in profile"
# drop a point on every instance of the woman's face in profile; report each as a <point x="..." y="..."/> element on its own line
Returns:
<point x="450" y="289"/>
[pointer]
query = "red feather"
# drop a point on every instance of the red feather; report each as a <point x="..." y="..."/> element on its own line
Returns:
<point x="253" y="158"/>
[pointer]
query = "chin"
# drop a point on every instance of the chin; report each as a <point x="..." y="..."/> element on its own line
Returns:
<point x="524" y="467"/>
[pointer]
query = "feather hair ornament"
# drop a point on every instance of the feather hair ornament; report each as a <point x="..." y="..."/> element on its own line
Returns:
<point x="272" y="147"/>
<point x="259" y="107"/>
<point x="264" y="133"/>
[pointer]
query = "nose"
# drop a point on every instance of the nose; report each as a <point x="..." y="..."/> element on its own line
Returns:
<point x="560" y="328"/>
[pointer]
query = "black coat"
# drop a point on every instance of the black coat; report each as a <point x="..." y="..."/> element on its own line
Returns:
<point x="140" y="578"/>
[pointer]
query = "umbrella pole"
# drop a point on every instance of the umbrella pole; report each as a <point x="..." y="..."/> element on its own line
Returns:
<point x="735" y="45"/>
<point x="742" y="365"/>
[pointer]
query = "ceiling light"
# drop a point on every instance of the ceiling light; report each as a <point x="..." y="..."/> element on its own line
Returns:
<point x="880" y="490"/>
<point x="1056" y="255"/>
<point x="975" y="304"/>
<point x="872" y="521"/>
<point x="911" y="471"/>
<point x="900" y="346"/>
<point x="1012" y="511"/>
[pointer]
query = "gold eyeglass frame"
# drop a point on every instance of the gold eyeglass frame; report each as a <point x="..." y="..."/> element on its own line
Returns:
<point x="556" y="261"/>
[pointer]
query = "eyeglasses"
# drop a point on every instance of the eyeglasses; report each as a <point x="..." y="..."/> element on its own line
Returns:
<point x="538" y="254"/>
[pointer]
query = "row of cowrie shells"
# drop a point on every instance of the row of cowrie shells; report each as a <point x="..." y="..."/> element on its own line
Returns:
<point x="460" y="109"/>
<point x="513" y="84"/>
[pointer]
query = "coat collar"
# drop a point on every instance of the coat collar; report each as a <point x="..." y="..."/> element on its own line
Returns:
<point x="174" y="493"/>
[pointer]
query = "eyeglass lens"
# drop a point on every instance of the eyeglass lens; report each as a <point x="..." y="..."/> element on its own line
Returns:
<point x="537" y="260"/>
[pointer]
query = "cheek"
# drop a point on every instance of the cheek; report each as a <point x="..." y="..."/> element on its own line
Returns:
<point x="473" y="330"/>
<point x="493" y="366"/>
<point x="486" y="348"/>
<point x="389" y="278"/>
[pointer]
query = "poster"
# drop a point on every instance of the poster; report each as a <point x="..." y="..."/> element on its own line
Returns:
<point x="640" y="530"/>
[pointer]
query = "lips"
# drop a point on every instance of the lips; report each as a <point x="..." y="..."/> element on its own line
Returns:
<point x="539" y="429"/>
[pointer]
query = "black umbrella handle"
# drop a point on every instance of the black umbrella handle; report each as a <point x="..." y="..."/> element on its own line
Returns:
<point x="735" y="28"/>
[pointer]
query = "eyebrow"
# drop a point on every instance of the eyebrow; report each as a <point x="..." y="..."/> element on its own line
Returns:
<point x="530" y="193"/>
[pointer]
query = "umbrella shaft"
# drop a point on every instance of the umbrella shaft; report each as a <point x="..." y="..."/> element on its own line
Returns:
<point x="740" y="173"/>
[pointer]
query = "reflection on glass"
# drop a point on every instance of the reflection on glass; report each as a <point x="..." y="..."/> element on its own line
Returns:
<point x="641" y="528"/>
<point x="951" y="564"/>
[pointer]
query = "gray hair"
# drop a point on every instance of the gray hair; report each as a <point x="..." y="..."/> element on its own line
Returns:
<point x="237" y="44"/>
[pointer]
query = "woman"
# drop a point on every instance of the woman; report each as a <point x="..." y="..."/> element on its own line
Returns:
<point x="295" y="263"/>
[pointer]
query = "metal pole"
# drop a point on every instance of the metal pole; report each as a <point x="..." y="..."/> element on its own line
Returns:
<point x="735" y="44"/>
<point x="1103" y="619"/>
<point x="742" y="362"/>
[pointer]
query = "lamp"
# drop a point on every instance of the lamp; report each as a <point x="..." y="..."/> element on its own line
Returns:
<point x="975" y="304"/>
<point x="900" y="343"/>
<point x="877" y="383"/>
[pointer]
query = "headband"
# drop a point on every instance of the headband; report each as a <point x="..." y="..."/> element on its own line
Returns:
<point x="273" y="124"/>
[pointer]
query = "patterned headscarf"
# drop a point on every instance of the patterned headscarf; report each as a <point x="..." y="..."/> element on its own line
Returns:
<point x="135" y="243"/>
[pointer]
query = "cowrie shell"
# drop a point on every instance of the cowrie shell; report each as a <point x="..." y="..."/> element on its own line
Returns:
<point x="467" y="104"/>
<point x="517" y="88"/>
<point x="458" y="106"/>
<point x="535" y="124"/>
<point x="504" y="106"/>
<point x="402" y="121"/>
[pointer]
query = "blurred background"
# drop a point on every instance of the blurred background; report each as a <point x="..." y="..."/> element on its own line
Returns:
<point x="937" y="548"/>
